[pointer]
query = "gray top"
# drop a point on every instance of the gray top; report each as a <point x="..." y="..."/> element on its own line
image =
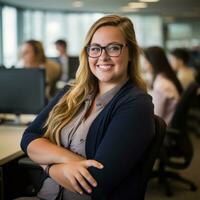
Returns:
<point x="73" y="137"/>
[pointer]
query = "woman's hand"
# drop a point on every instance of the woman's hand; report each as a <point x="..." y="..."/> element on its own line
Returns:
<point x="75" y="174"/>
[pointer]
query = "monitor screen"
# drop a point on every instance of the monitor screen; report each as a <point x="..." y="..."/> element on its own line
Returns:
<point x="22" y="91"/>
<point x="73" y="66"/>
<point x="73" y="63"/>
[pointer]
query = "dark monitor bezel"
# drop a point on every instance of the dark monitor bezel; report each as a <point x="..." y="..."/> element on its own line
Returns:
<point x="23" y="86"/>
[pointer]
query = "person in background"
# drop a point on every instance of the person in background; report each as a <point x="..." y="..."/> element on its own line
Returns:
<point x="165" y="87"/>
<point x="179" y="59"/>
<point x="32" y="56"/>
<point x="105" y="117"/>
<point x="61" y="47"/>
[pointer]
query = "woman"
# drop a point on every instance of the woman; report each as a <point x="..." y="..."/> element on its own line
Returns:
<point x="33" y="56"/>
<point x="166" y="89"/>
<point x="96" y="133"/>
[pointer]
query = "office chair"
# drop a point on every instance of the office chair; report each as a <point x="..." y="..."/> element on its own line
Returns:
<point x="153" y="152"/>
<point x="177" y="150"/>
<point x="33" y="176"/>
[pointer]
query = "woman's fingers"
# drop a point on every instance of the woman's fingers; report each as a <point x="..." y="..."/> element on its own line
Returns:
<point x="84" y="177"/>
<point x="79" y="177"/>
<point x="83" y="183"/>
<point x="84" y="172"/>
<point x="92" y="163"/>
<point x="76" y="186"/>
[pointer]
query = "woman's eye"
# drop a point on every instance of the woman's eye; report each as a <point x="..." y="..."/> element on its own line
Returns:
<point x="114" y="48"/>
<point x="94" y="49"/>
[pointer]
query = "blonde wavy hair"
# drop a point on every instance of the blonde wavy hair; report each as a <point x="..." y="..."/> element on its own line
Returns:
<point x="86" y="83"/>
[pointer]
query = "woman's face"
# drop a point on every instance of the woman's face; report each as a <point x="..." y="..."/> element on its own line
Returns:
<point x="27" y="54"/>
<point x="147" y="67"/>
<point x="147" y="71"/>
<point x="175" y="62"/>
<point x="108" y="69"/>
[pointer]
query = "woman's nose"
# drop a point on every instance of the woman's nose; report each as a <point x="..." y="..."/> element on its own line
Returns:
<point x="104" y="55"/>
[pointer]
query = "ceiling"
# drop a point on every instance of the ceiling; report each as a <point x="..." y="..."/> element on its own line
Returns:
<point x="168" y="8"/>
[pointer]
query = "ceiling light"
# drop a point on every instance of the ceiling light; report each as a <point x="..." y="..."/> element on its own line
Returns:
<point x="149" y="1"/>
<point x="77" y="4"/>
<point x="128" y="9"/>
<point x="137" y="5"/>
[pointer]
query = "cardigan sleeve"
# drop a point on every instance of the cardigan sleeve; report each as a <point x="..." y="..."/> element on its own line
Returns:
<point x="122" y="148"/>
<point x="35" y="129"/>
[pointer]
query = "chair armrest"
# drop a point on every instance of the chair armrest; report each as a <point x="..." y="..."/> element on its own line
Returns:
<point x="27" y="162"/>
<point x="172" y="131"/>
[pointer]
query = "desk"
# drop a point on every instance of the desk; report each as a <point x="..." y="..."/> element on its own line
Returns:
<point x="10" y="137"/>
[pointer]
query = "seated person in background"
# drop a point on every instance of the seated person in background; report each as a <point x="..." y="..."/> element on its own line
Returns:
<point x="105" y="118"/>
<point x="179" y="59"/>
<point x="32" y="56"/>
<point x="61" y="47"/>
<point x="165" y="87"/>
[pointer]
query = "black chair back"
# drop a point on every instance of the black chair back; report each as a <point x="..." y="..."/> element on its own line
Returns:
<point x="177" y="150"/>
<point x="153" y="152"/>
<point x="177" y="142"/>
<point x="180" y="116"/>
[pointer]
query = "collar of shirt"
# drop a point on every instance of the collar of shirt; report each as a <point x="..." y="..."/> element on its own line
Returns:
<point x="104" y="99"/>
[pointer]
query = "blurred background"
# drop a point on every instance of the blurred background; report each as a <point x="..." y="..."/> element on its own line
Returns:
<point x="57" y="29"/>
<point x="167" y="23"/>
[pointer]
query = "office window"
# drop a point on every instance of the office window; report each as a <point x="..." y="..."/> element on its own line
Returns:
<point x="9" y="32"/>
<point x="55" y="28"/>
<point x="179" y="31"/>
<point x="71" y="27"/>
<point x="33" y="25"/>
<point x="78" y="26"/>
<point x="179" y="35"/>
<point x="148" y="30"/>
<point x="50" y="26"/>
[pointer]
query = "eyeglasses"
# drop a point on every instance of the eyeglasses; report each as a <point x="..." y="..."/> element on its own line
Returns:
<point x="113" y="50"/>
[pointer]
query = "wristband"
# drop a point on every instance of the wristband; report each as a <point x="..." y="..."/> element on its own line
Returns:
<point x="47" y="168"/>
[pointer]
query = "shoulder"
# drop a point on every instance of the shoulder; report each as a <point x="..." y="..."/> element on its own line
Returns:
<point x="187" y="72"/>
<point x="162" y="83"/>
<point x="165" y="86"/>
<point x="131" y="91"/>
<point x="132" y="96"/>
<point x="52" y="64"/>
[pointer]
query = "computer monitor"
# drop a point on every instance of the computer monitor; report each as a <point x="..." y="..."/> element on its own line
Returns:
<point x="73" y="66"/>
<point x="73" y="62"/>
<point x="22" y="91"/>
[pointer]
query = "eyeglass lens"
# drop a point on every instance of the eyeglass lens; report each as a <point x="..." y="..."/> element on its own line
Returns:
<point x="111" y="50"/>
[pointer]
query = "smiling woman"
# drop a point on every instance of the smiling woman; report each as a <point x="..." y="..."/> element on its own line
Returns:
<point x="106" y="106"/>
<point x="110" y="63"/>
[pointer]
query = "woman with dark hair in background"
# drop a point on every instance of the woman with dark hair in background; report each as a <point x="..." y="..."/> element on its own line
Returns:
<point x="165" y="87"/>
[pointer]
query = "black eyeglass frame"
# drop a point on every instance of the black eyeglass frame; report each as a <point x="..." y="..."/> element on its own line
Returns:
<point x="105" y="48"/>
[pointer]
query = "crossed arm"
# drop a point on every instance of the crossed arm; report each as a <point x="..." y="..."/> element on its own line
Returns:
<point x="68" y="169"/>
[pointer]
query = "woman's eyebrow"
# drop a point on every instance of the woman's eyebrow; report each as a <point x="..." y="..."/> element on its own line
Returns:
<point x="107" y="44"/>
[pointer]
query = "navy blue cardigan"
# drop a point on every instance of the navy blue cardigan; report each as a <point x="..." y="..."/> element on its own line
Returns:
<point x="117" y="138"/>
